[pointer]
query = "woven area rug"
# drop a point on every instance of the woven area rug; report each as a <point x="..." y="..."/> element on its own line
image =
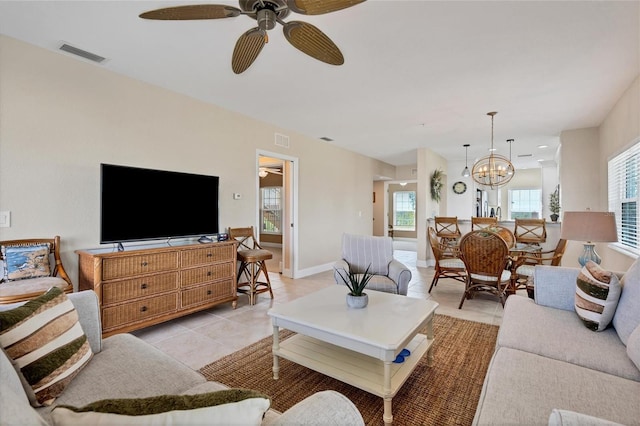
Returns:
<point x="445" y="394"/>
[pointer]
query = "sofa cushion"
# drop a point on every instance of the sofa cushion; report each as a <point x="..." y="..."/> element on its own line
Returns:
<point x="226" y="407"/>
<point x="46" y="344"/>
<point x="597" y="294"/>
<point x="25" y="261"/>
<point x="633" y="347"/>
<point x="523" y="388"/>
<point x="15" y="409"/>
<point x="627" y="316"/>
<point x="559" y="334"/>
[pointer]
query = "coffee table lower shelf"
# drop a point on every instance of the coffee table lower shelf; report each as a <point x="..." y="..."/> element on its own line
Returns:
<point x="362" y="371"/>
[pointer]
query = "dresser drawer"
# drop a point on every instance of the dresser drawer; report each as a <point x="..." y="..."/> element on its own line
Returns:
<point x="194" y="276"/>
<point x="208" y="293"/>
<point x="120" y="291"/>
<point x="129" y="313"/>
<point x="122" y="267"/>
<point x="209" y="254"/>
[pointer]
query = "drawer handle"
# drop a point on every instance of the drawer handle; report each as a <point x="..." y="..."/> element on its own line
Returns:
<point x="143" y="309"/>
<point x="209" y="254"/>
<point x="144" y="263"/>
<point x="143" y="286"/>
<point x="208" y="273"/>
<point x="209" y="292"/>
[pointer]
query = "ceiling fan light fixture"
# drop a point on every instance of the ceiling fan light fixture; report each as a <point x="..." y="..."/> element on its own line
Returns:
<point x="493" y="170"/>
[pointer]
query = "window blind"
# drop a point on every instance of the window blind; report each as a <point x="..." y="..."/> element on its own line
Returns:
<point x="624" y="179"/>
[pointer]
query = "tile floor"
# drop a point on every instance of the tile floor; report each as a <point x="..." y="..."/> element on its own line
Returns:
<point x="203" y="337"/>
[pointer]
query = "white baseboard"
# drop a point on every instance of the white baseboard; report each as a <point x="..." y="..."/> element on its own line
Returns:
<point x="301" y="273"/>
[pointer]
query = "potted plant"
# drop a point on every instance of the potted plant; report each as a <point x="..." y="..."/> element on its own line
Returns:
<point x="356" y="298"/>
<point x="554" y="204"/>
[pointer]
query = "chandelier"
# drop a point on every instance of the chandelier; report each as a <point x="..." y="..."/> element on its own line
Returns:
<point x="493" y="170"/>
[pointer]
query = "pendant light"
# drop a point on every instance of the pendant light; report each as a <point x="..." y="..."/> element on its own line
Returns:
<point x="493" y="170"/>
<point x="466" y="172"/>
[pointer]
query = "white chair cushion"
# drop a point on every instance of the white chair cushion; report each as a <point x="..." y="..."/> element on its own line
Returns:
<point x="451" y="263"/>
<point x="506" y="276"/>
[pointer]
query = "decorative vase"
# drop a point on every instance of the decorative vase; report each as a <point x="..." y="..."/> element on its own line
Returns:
<point x="357" y="302"/>
<point x="554" y="217"/>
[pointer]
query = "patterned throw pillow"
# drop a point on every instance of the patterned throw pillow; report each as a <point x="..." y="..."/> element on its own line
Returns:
<point x="225" y="407"/>
<point x="46" y="344"/>
<point x="25" y="261"/>
<point x="597" y="294"/>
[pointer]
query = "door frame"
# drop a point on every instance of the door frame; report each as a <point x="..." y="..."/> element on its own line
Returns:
<point x="290" y="214"/>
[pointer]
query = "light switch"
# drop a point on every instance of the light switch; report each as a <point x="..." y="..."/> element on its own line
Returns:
<point x="236" y="196"/>
<point x="5" y="219"/>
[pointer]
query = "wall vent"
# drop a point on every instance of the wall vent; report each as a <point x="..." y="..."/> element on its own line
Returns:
<point x="524" y="155"/>
<point x="282" y="140"/>
<point x="82" y="53"/>
<point x="326" y="139"/>
<point x="414" y="172"/>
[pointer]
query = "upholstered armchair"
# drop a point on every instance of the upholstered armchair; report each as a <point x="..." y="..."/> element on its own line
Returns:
<point x="362" y="251"/>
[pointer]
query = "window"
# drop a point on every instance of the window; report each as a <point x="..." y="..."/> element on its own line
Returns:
<point x="624" y="174"/>
<point x="525" y="203"/>
<point x="271" y="209"/>
<point x="404" y="210"/>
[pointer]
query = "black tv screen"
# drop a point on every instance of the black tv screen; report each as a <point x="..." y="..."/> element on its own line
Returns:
<point x="139" y="204"/>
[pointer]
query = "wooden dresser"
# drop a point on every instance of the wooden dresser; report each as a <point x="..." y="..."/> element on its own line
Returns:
<point x="145" y="286"/>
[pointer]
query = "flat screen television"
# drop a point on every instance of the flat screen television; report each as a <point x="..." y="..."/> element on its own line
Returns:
<point x="138" y="204"/>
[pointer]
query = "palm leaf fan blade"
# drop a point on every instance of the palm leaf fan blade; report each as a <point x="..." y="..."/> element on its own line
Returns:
<point x="319" y="7"/>
<point x="247" y="49"/>
<point x="310" y="40"/>
<point x="191" y="12"/>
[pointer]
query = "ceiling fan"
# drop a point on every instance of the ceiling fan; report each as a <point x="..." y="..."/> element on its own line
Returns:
<point x="302" y="35"/>
<point x="264" y="171"/>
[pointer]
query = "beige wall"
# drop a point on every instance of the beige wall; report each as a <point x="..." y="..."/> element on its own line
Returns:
<point x="62" y="117"/>
<point x="583" y="168"/>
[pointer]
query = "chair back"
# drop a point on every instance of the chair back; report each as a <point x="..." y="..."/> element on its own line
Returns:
<point x="530" y="231"/>
<point x="447" y="227"/>
<point x="484" y="253"/>
<point x="55" y="261"/>
<point x="245" y="237"/>
<point x="360" y="251"/>
<point x="436" y="248"/>
<point x="559" y="252"/>
<point x="483" y="222"/>
<point x="503" y="232"/>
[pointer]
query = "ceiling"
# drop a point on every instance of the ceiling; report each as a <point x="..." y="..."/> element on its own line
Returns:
<point x="416" y="73"/>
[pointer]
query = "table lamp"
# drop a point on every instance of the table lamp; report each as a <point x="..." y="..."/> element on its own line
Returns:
<point x="591" y="227"/>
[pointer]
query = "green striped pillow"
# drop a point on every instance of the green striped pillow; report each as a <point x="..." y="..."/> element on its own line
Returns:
<point x="597" y="294"/>
<point x="46" y="344"/>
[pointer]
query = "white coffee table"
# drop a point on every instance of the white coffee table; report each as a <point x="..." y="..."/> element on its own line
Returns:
<point x="355" y="346"/>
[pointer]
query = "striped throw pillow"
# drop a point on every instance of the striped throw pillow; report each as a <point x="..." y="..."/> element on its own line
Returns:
<point x="46" y="344"/>
<point x="597" y="294"/>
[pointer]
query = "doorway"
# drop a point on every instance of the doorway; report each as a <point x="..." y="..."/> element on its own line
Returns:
<point x="276" y="213"/>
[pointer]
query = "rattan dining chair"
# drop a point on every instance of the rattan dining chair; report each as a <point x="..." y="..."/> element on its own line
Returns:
<point x="253" y="261"/>
<point x="483" y="222"/>
<point x="447" y="263"/>
<point x="485" y="255"/>
<point x="526" y="262"/>
<point x="530" y="231"/>
<point x="447" y="229"/>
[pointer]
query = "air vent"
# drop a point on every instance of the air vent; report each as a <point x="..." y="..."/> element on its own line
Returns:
<point x="326" y="139"/>
<point x="282" y="140"/>
<point x="82" y="53"/>
<point x="525" y="155"/>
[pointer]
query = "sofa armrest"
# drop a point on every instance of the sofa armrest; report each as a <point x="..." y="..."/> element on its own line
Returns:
<point x="322" y="408"/>
<point x="88" y="308"/>
<point x="555" y="286"/>
<point x="401" y="275"/>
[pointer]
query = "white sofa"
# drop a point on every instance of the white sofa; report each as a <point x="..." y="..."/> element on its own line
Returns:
<point x="124" y="366"/>
<point x="548" y="368"/>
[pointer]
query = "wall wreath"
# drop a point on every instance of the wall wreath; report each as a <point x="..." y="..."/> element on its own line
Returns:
<point x="436" y="185"/>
